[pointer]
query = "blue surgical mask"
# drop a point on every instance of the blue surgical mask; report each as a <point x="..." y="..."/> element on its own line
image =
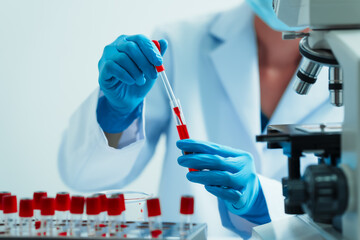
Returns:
<point x="265" y="11"/>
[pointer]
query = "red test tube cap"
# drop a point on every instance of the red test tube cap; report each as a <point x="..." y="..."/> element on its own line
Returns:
<point x="47" y="206"/>
<point x="93" y="205"/>
<point x="3" y="194"/>
<point x="26" y="208"/>
<point x="158" y="68"/>
<point x="114" y="206"/>
<point x="37" y="199"/>
<point x="77" y="204"/>
<point x="153" y="207"/>
<point x="187" y="205"/>
<point x="9" y="204"/>
<point x="103" y="201"/>
<point x="62" y="201"/>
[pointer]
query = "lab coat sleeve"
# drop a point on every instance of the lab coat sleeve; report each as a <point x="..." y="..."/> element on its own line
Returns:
<point x="272" y="190"/>
<point x="85" y="157"/>
<point x="87" y="163"/>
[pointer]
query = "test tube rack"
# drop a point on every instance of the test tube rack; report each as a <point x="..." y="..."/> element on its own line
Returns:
<point x="133" y="230"/>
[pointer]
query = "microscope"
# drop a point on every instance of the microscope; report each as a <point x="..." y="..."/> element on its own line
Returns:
<point x="327" y="192"/>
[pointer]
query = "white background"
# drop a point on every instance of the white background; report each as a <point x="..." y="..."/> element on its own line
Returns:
<point x="48" y="65"/>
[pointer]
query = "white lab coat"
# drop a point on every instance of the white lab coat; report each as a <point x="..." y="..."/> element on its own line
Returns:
<point x="213" y="67"/>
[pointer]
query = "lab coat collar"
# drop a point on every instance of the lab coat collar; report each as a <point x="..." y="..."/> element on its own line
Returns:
<point x="236" y="62"/>
<point x="231" y="22"/>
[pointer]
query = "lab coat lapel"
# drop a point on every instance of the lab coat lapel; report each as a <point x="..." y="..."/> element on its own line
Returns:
<point x="235" y="61"/>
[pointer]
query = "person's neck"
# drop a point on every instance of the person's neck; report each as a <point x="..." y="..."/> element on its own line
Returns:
<point x="272" y="50"/>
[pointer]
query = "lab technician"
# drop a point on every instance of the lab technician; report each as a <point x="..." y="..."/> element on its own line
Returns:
<point x="232" y="73"/>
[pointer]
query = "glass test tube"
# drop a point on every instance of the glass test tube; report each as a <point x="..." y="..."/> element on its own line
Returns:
<point x="47" y="217"/>
<point x="37" y="196"/>
<point x="93" y="211"/>
<point x="186" y="212"/>
<point x="26" y="213"/>
<point x="10" y="214"/>
<point x="76" y="211"/>
<point x="2" y="194"/>
<point x="103" y="208"/>
<point x="154" y="215"/>
<point x="62" y="206"/>
<point x="116" y="208"/>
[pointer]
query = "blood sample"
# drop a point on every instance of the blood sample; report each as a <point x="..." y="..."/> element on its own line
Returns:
<point x="76" y="211"/>
<point x="37" y="210"/>
<point x="154" y="214"/>
<point x="10" y="217"/>
<point x="2" y="194"/>
<point x="174" y="103"/>
<point x="115" y="209"/>
<point x="62" y="204"/>
<point x="26" y="213"/>
<point x="93" y="211"/>
<point x="186" y="211"/>
<point x="47" y="216"/>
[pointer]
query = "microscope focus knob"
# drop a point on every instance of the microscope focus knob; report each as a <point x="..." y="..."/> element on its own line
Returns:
<point x="322" y="193"/>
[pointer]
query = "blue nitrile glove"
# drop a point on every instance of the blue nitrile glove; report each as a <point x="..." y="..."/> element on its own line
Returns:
<point x="228" y="174"/>
<point x="126" y="75"/>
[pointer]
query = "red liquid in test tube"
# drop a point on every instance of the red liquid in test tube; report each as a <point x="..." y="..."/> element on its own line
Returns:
<point x="37" y="210"/>
<point x="154" y="214"/>
<point x="62" y="203"/>
<point x="48" y="216"/>
<point x="182" y="129"/>
<point x="116" y="208"/>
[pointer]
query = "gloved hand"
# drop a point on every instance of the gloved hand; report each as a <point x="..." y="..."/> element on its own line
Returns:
<point x="126" y="75"/>
<point x="228" y="174"/>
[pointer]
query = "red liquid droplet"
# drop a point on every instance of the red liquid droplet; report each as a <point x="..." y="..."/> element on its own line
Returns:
<point x="156" y="233"/>
<point x="123" y="226"/>
<point x="103" y="235"/>
<point x="37" y="224"/>
<point x="102" y="225"/>
<point x="141" y="210"/>
<point x="62" y="234"/>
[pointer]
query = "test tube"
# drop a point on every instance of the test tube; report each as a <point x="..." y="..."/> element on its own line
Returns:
<point x="76" y="211"/>
<point x="174" y="103"/>
<point x="10" y="216"/>
<point x="2" y="194"/>
<point x="116" y="208"/>
<point x="186" y="212"/>
<point x="26" y="213"/>
<point x="103" y="208"/>
<point x="93" y="211"/>
<point x="47" y="216"/>
<point x="37" y="210"/>
<point x="62" y="204"/>
<point x="154" y="214"/>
